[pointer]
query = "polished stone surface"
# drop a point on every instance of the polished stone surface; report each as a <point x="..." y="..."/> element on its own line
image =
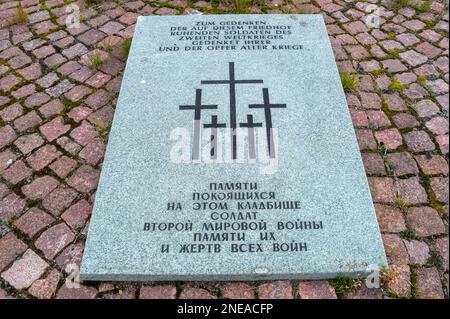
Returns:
<point x="315" y="173"/>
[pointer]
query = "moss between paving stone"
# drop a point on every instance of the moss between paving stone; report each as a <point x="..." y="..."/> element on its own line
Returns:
<point x="424" y="179"/>
<point x="342" y="285"/>
<point x="413" y="279"/>
<point x="431" y="196"/>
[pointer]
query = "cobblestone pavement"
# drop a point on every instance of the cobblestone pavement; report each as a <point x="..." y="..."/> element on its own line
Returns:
<point x="58" y="91"/>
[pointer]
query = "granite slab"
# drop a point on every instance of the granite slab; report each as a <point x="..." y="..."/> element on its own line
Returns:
<point x="232" y="156"/>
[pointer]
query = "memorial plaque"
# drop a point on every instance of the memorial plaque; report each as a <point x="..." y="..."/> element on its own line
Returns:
<point x="232" y="156"/>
